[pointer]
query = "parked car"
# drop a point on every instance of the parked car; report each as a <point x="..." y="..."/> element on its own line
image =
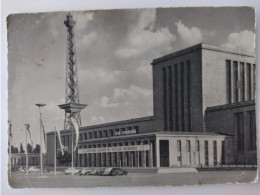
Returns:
<point x="114" y="171"/>
<point x="71" y="170"/>
<point x="97" y="171"/>
<point x="85" y="171"/>
<point x="33" y="170"/>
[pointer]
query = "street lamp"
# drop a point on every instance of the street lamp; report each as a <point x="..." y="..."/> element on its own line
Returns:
<point x="40" y="105"/>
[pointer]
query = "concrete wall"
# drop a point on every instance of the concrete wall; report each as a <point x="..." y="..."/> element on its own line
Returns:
<point x="221" y="119"/>
<point x="195" y="87"/>
<point x="196" y="158"/>
<point x="214" y="82"/>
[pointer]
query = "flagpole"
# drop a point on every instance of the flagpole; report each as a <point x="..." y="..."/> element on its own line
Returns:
<point x="27" y="171"/>
<point x="55" y="144"/>
<point x="72" y="164"/>
<point x="10" y="153"/>
<point x="40" y="105"/>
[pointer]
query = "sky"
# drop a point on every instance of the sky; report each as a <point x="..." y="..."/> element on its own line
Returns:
<point x="114" y="52"/>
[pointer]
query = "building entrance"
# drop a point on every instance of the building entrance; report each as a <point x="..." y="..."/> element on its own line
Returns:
<point x="164" y="153"/>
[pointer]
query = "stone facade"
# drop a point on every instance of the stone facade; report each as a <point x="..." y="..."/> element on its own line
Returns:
<point x="201" y="95"/>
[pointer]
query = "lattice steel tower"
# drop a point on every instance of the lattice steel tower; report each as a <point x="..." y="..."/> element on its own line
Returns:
<point x="72" y="105"/>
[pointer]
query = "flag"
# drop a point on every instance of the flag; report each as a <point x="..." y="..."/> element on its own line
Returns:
<point x="61" y="145"/>
<point x="27" y="127"/>
<point x="43" y="150"/>
<point x="76" y="127"/>
<point x="10" y="136"/>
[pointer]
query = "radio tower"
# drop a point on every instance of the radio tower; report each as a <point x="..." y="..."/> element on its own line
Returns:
<point x="72" y="106"/>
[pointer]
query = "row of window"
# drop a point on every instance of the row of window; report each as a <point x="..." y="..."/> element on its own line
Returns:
<point x="176" y="97"/>
<point x="240" y="81"/>
<point x="103" y="133"/>
<point x="240" y="131"/>
<point x="206" y="150"/>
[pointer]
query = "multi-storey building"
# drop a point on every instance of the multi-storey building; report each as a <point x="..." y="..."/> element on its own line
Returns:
<point x="204" y="114"/>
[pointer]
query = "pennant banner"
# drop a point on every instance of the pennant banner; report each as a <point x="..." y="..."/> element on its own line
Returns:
<point x="61" y="145"/>
<point x="28" y="129"/>
<point x="10" y="134"/>
<point x="43" y="150"/>
<point x="76" y="127"/>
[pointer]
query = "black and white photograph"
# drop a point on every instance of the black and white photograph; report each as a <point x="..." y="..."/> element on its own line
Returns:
<point x="132" y="97"/>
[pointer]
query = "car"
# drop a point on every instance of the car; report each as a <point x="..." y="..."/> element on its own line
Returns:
<point x="97" y="171"/>
<point x="72" y="171"/>
<point x="114" y="171"/>
<point x="85" y="171"/>
<point x="33" y="170"/>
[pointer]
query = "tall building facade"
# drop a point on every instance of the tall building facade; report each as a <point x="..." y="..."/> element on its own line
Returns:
<point x="204" y="115"/>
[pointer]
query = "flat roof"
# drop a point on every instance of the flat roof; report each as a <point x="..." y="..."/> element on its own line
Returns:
<point x="231" y="106"/>
<point x="128" y="121"/>
<point x="202" y="46"/>
<point x="156" y="134"/>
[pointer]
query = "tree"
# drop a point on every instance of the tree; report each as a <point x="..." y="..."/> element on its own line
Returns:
<point x="21" y="148"/>
<point x="29" y="148"/>
<point x="65" y="159"/>
<point x="37" y="149"/>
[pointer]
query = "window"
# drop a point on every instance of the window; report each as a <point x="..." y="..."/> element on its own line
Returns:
<point x="206" y="152"/>
<point x="90" y="135"/>
<point x="228" y="80"/>
<point x="188" y="145"/>
<point x="248" y="82"/>
<point x="215" y="152"/>
<point x="178" y="145"/>
<point x="111" y="133"/>
<point x="197" y="145"/>
<point x="129" y="128"/>
<point x="164" y="87"/>
<point x="80" y="136"/>
<point x="85" y="136"/>
<point x="95" y="135"/>
<point x="105" y="133"/>
<point x="235" y="80"/>
<point x="252" y="130"/>
<point x="240" y="131"/>
<point x="223" y="153"/>
<point x="136" y="128"/>
<point x="63" y="140"/>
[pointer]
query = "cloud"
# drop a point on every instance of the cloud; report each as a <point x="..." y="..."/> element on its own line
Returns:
<point x="100" y="74"/>
<point x="243" y="40"/>
<point x="190" y="36"/>
<point x="125" y="96"/>
<point x="133" y="92"/>
<point x="97" y="119"/>
<point x="88" y="39"/>
<point x="82" y="19"/>
<point x="105" y="103"/>
<point x="142" y="38"/>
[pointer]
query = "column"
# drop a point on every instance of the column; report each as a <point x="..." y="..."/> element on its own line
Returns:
<point x="157" y="145"/>
<point x="219" y="151"/>
<point x="136" y="157"/>
<point x="124" y="163"/>
<point x="107" y="158"/>
<point x="150" y="154"/>
<point x="97" y="158"/>
<point x="211" y="156"/>
<point x="202" y="152"/>
<point x="142" y="156"/>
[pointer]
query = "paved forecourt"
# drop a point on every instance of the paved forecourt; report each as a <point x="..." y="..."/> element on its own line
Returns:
<point x="21" y="180"/>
